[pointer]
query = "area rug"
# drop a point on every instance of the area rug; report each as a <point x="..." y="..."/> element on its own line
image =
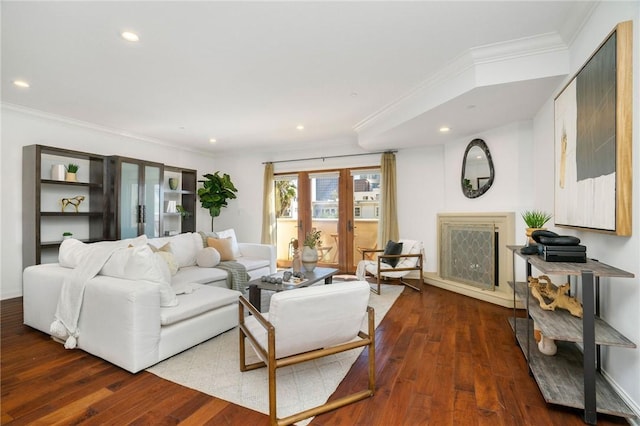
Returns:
<point x="213" y="368"/>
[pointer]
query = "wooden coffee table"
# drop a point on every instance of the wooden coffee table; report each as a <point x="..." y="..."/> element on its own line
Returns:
<point x="318" y="274"/>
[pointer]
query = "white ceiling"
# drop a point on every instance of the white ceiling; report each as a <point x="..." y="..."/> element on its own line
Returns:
<point x="246" y="73"/>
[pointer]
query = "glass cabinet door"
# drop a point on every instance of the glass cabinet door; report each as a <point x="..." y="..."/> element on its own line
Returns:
<point x="140" y="199"/>
<point x="151" y="207"/>
<point x="129" y="200"/>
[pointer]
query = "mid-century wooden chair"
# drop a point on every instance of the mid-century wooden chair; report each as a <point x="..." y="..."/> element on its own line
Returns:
<point x="305" y="324"/>
<point x="409" y="260"/>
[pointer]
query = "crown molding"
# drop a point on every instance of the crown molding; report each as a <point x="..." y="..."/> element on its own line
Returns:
<point x="459" y="76"/>
<point x="97" y="127"/>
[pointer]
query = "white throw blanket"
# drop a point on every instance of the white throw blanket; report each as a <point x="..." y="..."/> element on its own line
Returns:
<point x="65" y="325"/>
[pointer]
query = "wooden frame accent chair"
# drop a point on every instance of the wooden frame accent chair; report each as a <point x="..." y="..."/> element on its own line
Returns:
<point x="410" y="259"/>
<point x="306" y="324"/>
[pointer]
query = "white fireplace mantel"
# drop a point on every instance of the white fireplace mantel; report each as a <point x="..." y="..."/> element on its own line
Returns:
<point x="504" y="223"/>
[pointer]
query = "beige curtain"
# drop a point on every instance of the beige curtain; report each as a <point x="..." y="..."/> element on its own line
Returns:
<point x="268" y="207"/>
<point x="388" y="222"/>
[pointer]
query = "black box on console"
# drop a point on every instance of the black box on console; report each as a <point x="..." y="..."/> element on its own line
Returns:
<point x="575" y="254"/>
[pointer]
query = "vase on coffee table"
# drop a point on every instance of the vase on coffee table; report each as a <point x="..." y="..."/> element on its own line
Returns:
<point x="309" y="258"/>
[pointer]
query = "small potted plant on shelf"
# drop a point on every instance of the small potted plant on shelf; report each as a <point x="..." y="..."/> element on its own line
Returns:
<point x="535" y="220"/>
<point x="183" y="213"/>
<point x="66" y="235"/>
<point x="71" y="170"/>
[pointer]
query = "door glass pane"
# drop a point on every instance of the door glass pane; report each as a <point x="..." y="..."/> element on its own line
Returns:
<point x="152" y="210"/>
<point x="366" y="211"/>
<point x="286" y="191"/>
<point x="129" y="201"/>
<point x="324" y="215"/>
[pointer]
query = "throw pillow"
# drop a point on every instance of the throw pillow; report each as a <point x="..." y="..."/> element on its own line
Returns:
<point x="208" y="257"/>
<point x="392" y="248"/>
<point x="166" y="247"/>
<point x="167" y="256"/>
<point x="230" y="233"/>
<point x="140" y="263"/>
<point x="223" y="246"/>
<point x="205" y="235"/>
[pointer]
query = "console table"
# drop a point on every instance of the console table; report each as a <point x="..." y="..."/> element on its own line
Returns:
<point x="571" y="378"/>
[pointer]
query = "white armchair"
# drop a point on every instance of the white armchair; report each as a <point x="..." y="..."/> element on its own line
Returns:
<point x="305" y="324"/>
<point x="410" y="259"/>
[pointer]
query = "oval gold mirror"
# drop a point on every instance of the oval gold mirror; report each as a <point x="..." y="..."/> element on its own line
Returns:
<point x="477" y="169"/>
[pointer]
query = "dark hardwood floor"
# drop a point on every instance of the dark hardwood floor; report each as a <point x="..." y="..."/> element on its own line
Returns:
<point x="441" y="359"/>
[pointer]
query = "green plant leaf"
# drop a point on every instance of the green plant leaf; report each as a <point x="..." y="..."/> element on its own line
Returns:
<point x="216" y="190"/>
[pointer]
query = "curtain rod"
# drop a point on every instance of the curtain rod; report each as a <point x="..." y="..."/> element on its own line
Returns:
<point x="330" y="156"/>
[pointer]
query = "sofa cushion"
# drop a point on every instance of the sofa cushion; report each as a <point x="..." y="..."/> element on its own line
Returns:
<point x="185" y="247"/>
<point x="208" y="257"/>
<point x="230" y="233"/>
<point x="72" y="251"/>
<point x="253" y="263"/>
<point x="141" y="263"/>
<point x="203" y="298"/>
<point x="195" y="274"/>
<point x="223" y="246"/>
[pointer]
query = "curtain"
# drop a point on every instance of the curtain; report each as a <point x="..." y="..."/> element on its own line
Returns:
<point x="388" y="221"/>
<point x="268" y="208"/>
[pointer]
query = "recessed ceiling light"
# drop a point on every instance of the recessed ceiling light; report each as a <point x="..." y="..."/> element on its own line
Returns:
<point x="212" y="140"/>
<point x="129" y="36"/>
<point x="21" y="83"/>
<point x="444" y="129"/>
<point x="300" y="127"/>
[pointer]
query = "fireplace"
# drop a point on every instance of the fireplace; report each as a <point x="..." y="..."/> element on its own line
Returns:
<point x="472" y="255"/>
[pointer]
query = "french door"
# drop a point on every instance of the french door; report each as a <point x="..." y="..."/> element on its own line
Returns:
<point x="342" y="204"/>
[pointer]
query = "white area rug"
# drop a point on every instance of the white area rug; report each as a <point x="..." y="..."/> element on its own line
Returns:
<point x="213" y="367"/>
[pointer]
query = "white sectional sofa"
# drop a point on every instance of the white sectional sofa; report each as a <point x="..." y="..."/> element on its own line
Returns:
<point x="123" y="320"/>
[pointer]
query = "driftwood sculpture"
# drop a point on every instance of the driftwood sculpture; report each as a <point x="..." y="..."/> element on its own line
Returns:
<point x="75" y="202"/>
<point x="542" y="288"/>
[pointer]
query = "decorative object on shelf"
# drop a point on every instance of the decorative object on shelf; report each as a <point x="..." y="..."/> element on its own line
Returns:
<point x="215" y="192"/>
<point x="173" y="183"/>
<point x="310" y="250"/>
<point x="66" y="235"/>
<point x="75" y="202"/>
<point x="542" y="288"/>
<point x="58" y="172"/>
<point x="535" y="220"/>
<point x="183" y="213"/>
<point x="546" y="345"/>
<point x="71" y="171"/>
<point x="296" y="263"/>
<point x="172" y="207"/>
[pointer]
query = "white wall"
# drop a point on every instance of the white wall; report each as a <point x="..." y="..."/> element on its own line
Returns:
<point x="620" y="301"/>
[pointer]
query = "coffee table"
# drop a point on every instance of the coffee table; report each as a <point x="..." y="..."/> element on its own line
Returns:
<point x="318" y="274"/>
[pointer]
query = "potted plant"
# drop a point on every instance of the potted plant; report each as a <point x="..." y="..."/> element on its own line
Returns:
<point x="215" y="192"/>
<point x="183" y="213"/>
<point x="71" y="170"/>
<point x="310" y="250"/>
<point x="285" y="193"/>
<point x="66" y="235"/>
<point x="535" y="220"/>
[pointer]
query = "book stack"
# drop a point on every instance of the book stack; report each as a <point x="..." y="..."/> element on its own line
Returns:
<point x="576" y="254"/>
